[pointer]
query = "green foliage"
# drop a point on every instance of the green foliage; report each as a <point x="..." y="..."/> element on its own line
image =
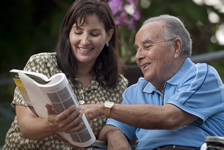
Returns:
<point x="29" y="27"/>
<point x="195" y="18"/>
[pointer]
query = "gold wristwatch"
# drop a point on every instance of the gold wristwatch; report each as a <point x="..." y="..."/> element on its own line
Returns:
<point x="107" y="108"/>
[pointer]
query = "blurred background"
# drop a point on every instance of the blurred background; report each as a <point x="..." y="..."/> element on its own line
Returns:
<point x="31" y="26"/>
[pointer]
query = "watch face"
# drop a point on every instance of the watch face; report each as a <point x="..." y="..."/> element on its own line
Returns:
<point x="109" y="104"/>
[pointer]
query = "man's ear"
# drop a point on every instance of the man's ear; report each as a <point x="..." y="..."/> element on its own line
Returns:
<point x="177" y="44"/>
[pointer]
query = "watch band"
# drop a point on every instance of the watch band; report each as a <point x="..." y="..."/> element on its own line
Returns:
<point x="107" y="108"/>
<point x="107" y="112"/>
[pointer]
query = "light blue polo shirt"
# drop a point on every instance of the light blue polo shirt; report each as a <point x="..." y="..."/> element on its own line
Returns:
<point x="196" y="89"/>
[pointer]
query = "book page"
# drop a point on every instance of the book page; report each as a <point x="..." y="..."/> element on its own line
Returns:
<point x="59" y="94"/>
<point x="36" y="97"/>
<point x="38" y="77"/>
<point x="24" y="93"/>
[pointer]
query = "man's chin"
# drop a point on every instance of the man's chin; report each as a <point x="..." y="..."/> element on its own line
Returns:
<point x="146" y="78"/>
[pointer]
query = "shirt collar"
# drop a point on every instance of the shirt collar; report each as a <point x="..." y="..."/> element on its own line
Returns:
<point x="177" y="78"/>
<point x="149" y="88"/>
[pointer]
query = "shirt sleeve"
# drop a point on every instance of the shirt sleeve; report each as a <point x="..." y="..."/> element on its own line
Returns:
<point x="128" y="130"/>
<point x="200" y="93"/>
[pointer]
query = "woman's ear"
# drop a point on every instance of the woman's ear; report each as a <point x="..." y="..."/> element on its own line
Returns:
<point x="177" y="44"/>
<point x="109" y="35"/>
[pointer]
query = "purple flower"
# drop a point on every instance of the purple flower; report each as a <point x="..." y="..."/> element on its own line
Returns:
<point x="130" y="24"/>
<point x="121" y="16"/>
<point x="116" y="6"/>
<point x="121" y="19"/>
<point x="136" y="15"/>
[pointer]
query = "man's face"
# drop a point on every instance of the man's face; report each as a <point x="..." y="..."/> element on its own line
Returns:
<point x="155" y="54"/>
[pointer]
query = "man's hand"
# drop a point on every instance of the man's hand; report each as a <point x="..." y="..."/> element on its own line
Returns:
<point x="92" y="111"/>
<point x="115" y="138"/>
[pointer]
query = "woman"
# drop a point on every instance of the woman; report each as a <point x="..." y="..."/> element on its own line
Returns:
<point x="86" y="53"/>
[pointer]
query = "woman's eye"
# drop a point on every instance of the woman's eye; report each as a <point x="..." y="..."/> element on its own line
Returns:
<point x="77" y="32"/>
<point x="94" y="34"/>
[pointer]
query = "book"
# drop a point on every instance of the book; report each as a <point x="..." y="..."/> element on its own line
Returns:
<point x="39" y="90"/>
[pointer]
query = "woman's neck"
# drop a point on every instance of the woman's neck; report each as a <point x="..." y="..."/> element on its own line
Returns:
<point x="84" y="75"/>
<point x="85" y="80"/>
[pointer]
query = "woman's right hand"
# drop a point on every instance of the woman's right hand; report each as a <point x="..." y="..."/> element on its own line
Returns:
<point x="67" y="121"/>
<point x="37" y="128"/>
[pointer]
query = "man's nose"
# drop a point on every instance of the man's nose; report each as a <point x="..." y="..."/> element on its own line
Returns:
<point x="139" y="55"/>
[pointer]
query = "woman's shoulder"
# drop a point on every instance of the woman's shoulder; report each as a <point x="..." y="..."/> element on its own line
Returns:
<point x="122" y="83"/>
<point x="43" y="59"/>
<point x="45" y="63"/>
<point x="123" y="80"/>
<point x="47" y="56"/>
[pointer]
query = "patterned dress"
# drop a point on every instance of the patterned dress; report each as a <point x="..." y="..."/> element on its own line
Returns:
<point x="46" y="63"/>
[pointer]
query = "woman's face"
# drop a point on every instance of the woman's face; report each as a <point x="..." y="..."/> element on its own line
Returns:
<point x="88" y="40"/>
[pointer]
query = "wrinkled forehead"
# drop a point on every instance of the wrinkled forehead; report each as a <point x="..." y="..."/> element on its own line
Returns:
<point x="154" y="31"/>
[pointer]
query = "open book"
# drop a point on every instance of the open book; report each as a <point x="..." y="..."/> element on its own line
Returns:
<point x="37" y="90"/>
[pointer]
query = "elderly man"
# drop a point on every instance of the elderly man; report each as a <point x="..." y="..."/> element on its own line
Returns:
<point x="177" y="103"/>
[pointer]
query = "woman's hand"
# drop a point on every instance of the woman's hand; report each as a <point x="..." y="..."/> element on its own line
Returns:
<point x="37" y="128"/>
<point x="67" y="121"/>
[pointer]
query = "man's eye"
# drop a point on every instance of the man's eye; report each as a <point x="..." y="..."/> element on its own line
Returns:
<point x="147" y="46"/>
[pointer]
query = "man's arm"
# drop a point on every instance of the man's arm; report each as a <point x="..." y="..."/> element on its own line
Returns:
<point x="149" y="116"/>
<point x="145" y="116"/>
<point x="114" y="137"/>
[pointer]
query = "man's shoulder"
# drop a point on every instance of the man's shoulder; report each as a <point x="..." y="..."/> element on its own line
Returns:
<point x="203" y="68"/>
<point x="140" y="85"/>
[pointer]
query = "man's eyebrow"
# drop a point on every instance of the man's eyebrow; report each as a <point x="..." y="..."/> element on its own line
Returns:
<point x="147" y="41"/>
<point x="143" y="42"/>
<point x="135" y="46"/>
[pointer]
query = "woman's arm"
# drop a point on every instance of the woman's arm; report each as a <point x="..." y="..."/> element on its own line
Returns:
<point x="37" y="128"/>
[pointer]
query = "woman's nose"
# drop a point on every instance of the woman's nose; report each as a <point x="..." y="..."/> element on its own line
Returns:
<point x="85" y="39"/>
